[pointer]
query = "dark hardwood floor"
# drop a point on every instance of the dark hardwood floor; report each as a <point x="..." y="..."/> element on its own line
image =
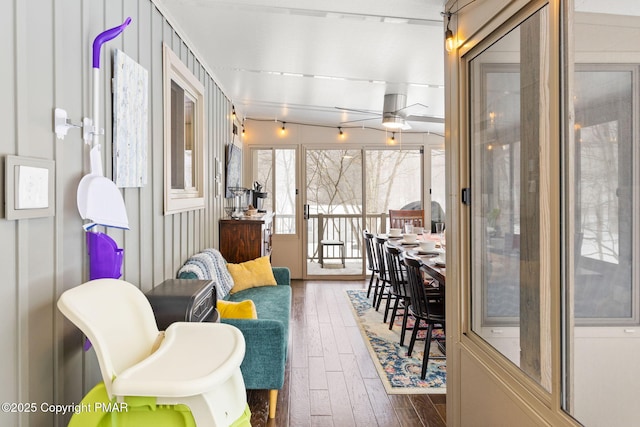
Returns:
<point x="330" y="379"/>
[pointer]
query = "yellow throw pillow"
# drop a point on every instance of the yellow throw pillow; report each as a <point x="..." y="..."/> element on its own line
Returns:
<point x="237" y="310"/>
<point x="251" y="274"/>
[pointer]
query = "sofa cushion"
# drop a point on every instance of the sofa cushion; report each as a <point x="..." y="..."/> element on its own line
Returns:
<point x="206" y="265"/>
<point x="251" y="274"/>
<point x="237" y="309"/>
<point x="272" y="302"/>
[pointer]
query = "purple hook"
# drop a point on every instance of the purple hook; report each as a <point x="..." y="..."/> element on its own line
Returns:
<point x="104" y="37"/>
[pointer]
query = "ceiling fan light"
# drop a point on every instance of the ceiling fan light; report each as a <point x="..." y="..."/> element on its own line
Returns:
<point x="393" y="122"/>
<point x="393" y="102"/>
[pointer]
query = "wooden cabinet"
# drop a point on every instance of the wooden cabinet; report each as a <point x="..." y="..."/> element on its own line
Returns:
<point x="246" y="239"/>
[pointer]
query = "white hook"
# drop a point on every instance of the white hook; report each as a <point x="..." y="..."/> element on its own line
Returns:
<point x="61" y="124"/>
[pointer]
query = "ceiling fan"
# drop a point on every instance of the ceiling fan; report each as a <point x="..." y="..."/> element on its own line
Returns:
<point x="395" y="113"/>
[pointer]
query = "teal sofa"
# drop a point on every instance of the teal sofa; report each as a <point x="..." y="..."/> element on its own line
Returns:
<point x="267" y="336"/>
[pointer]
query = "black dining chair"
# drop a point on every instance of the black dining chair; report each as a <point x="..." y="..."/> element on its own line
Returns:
<point x="385" y="284"/>
<point x="424" y="307"/>
<point x="372" y="266"/>
<point x="399" y="287"/>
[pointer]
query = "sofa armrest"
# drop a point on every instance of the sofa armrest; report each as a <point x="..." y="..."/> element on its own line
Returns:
<point x="282" y="275"/>
<point x="265" y="357"/>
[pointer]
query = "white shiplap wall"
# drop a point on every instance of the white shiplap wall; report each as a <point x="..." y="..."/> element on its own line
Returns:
<point x="45" y="51"/>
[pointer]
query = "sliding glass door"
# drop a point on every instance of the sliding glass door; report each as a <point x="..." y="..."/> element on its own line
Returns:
<point x="334" y="212"/>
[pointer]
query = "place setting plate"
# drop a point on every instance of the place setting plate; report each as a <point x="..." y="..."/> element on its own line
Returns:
<point x="426" y="254"/>
<point x="439" y="262"/>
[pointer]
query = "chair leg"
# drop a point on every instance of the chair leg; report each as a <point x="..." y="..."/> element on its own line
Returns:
<point x="273" y="400"/>
<point x="405" y="317"/>
<point x="387" y="307"/>
<point x="414" y="335"/>
<point x="393" y="312"/>
<point x="427" y="347"/>
<point x="370" y="286"/>
<point x="381" y="295"/>
<point x="376" y="291"/>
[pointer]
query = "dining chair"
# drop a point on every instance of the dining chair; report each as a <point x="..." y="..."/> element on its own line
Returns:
<point x="398" y="218"/>
<point x="372" y="266"/>
<point x="399" y="287"/>
<point x="385" y="284"/>
<point x="423" y="307"/>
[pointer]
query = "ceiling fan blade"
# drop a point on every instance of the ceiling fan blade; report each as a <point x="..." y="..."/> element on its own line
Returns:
<point x="416" y="109"/>
<point x="359" y="120"/>
<point x="425" y="119"/>
<point x="355" y="110"/>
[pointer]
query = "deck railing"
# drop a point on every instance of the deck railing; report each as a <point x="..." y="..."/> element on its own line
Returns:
<point x="343" y="227"/>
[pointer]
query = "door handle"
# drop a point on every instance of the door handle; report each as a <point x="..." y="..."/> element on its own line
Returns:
<point x="305" y="212"/>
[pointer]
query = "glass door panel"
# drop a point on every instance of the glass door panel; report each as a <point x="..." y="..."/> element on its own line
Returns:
<point x="275" y="171"/>
<point x="285" y="191"/>
<point x="334" y="203"/>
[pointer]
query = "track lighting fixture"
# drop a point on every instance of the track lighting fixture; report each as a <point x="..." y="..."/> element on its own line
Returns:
<point x="341" y="133"/>
<point x="283" y="130"/>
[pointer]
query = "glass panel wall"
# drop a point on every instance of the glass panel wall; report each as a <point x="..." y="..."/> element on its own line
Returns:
<point x="601" y="339"/>
<point x="508" y="83"/>
<point x="393" y="182"/>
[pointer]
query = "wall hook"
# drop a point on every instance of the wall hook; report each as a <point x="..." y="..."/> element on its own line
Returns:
<point x="61" y="124"/>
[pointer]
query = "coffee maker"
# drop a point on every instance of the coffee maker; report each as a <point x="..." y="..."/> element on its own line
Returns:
<point x="258" y="196"/>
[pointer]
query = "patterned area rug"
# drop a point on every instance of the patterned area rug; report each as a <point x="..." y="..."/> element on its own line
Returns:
<point x="400" y="373"/>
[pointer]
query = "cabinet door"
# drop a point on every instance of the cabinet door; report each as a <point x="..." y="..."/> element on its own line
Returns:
<point x="240" y="241"/>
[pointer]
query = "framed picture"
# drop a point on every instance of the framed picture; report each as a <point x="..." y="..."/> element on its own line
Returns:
<point x="30" y="190"/>
<point x="234" y="168"/>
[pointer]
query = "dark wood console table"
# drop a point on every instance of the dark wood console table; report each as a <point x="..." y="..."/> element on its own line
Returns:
<point x="246" y="238"/>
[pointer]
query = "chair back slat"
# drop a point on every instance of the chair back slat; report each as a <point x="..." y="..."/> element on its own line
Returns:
<point x="397" y="218"/>
<point x="396" y="270"/>
<point x="372" y="259"/>
<point x="379" y="242"/>
<point x="423" y="304"/>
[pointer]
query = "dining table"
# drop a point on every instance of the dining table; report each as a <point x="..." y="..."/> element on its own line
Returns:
<point x="432" y="261"/>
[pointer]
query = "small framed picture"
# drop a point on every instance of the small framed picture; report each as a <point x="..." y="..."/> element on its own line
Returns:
<point x="29" y="187"/>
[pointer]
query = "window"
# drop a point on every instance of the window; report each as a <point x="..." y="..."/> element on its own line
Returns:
<point x="509" y="83"/>
<point x="183" y="136"/>
<point x="601" y="203"/>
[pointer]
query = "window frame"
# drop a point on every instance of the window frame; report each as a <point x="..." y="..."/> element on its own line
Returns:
<point x="193" y="198"/>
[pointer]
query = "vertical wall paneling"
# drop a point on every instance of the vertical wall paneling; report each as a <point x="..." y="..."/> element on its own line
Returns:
<point x="8" y="290"/>
<point x="21" y="123"/>
<point x="129" y="40"/>
<point x="168" y="220"/>
<point x="36" y="236"/>
<point x="49" y="57"/>
<point x="156" y="156"/>
<point x="145" y="194"/>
